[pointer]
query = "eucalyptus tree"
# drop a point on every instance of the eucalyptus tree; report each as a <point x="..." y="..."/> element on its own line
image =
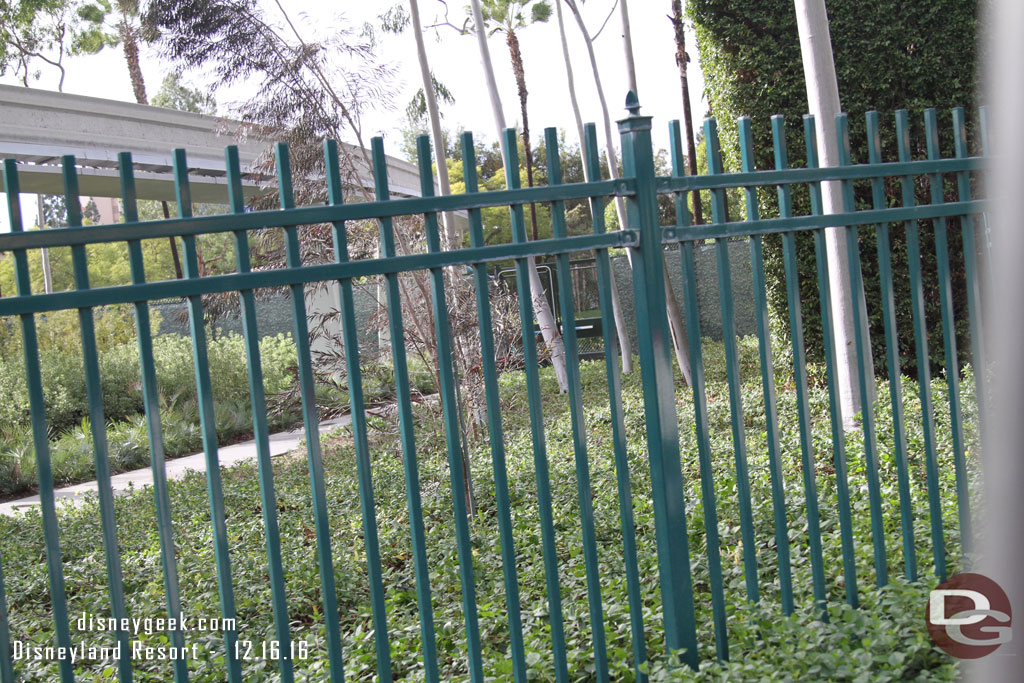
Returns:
<point x="675" y="317"/>
<point x="625" y="344"/>
<point x="541" y="308"/>
<point x="45" y="31"/>
<point x="429" y="91"/>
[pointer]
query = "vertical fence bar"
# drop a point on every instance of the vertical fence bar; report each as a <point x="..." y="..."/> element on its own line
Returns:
<point x="449" y="406"/>
<point x="796" y="331"/>
<point x="151" y="405"/>
<point x="311" y="422"/>
<point x="97" y="421"/>
<point x="540" y="458"/>
<point x="361" y="442"/>
<point x="40" y="440"/>
<point x="579" y="427"/>
<point x="208" y="420"/>
<point x="492" y="397"/>
<point x="619" y="446"/>
<point x="704" y="455"/>
<point x="924" y="373"/>
<point x="771" y="411"/>
<point x="865" y="361"/>
<point x="654" y="340"/>
<point x="892" y="353"/>
<point x="827" y="323"/>
<point x="208" y="424"/>
<point x="935" y="183"/>
<point x="970" y="246"/>
<point x="702" y="430"/>
<point x="396" y="330"/>
<point x="360" y="439"/>
<point x="719" y="214"/>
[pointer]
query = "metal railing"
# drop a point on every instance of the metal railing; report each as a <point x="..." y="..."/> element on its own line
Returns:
<point x="645" y="237"/>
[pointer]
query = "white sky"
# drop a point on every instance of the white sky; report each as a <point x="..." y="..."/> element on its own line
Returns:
<point x="455" y="62"/>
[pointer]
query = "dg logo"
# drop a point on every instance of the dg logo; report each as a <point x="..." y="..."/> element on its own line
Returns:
<point x="968" y="616"/>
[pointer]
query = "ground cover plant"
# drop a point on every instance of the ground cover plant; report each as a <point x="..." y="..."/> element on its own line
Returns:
<point x="885" y="639"/>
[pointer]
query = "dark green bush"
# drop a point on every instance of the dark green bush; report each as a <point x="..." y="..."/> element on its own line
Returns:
<point x="908" y="55"/>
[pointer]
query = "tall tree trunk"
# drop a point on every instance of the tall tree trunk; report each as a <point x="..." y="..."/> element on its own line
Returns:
<point x="622" y="332"/>
<point x="627" y="45"/>
<point x="823" y="102"/>
<point x="548" y="327"/>
<point x="450" y="230"/>
<point x="131" y="56"/>
<point x="520" y="74"/>
<point x="679" y="343"/>
<point x="681" y="60"/>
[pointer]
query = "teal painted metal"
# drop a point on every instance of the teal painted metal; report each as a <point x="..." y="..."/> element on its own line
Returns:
<point x="935" y="184"/>
<point x="97" y="420"/>
<point x="311" y="425"/>
<point x="360" y="438"/>
<point x="720" y="213"/>
<point x="924" y="373"/>
<point x="613" y="372"/>
<point x="494" y="426"/>
<point x="579" y="428"/>
<point x="40" y="441"/>
<point x="892" y="354"/>
<point x="796" y="335"/>
<point x="827" y="323"/>
<point x="771" y="411"/>
<point x="449" y="405"/>
<point x="208" y="423"/>
<point x="704" y="455"/>
<point x="865" y="362"/>
<point x="646" y="238"/>
<point x="653" y="338"/>
<point x="540" y="457"/>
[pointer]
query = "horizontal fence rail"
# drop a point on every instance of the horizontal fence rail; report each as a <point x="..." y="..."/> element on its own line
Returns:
<point x="814" y="463"/>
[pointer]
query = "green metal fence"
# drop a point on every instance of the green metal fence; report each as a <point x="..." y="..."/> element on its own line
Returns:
<point x="668" y="492"/>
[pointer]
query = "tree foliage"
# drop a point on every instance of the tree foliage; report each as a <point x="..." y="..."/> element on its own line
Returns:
<point x="34" y="31"/>
<point x="909" y="55"/>
<point x="174" y="93"/>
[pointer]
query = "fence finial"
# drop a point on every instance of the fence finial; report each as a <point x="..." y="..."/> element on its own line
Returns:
<point x="632" y="103"/>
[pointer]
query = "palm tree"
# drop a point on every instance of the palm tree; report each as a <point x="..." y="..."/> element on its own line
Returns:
<point x="548" y="327"/>
<point x="509" y="16"/>
<point x="682" y="58"/>
<point x="127" y="32"/>
<point x="620" y="321"/>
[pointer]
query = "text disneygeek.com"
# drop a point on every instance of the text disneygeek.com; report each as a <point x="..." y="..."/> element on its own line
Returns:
<point x="143" y="650"/>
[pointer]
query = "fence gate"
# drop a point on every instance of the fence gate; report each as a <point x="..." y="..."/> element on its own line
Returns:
<point x="675" y="605"/>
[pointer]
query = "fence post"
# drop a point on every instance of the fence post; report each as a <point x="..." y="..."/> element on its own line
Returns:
<point x="654" y="340"/>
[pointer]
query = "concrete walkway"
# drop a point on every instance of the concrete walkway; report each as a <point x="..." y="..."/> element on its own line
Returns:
<point x="280" y="444"/>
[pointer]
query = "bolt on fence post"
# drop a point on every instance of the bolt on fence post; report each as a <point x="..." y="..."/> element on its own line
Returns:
<point x="653" y="338"/>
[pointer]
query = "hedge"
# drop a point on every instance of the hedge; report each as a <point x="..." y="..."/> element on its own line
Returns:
<point x="908" y="55"/>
